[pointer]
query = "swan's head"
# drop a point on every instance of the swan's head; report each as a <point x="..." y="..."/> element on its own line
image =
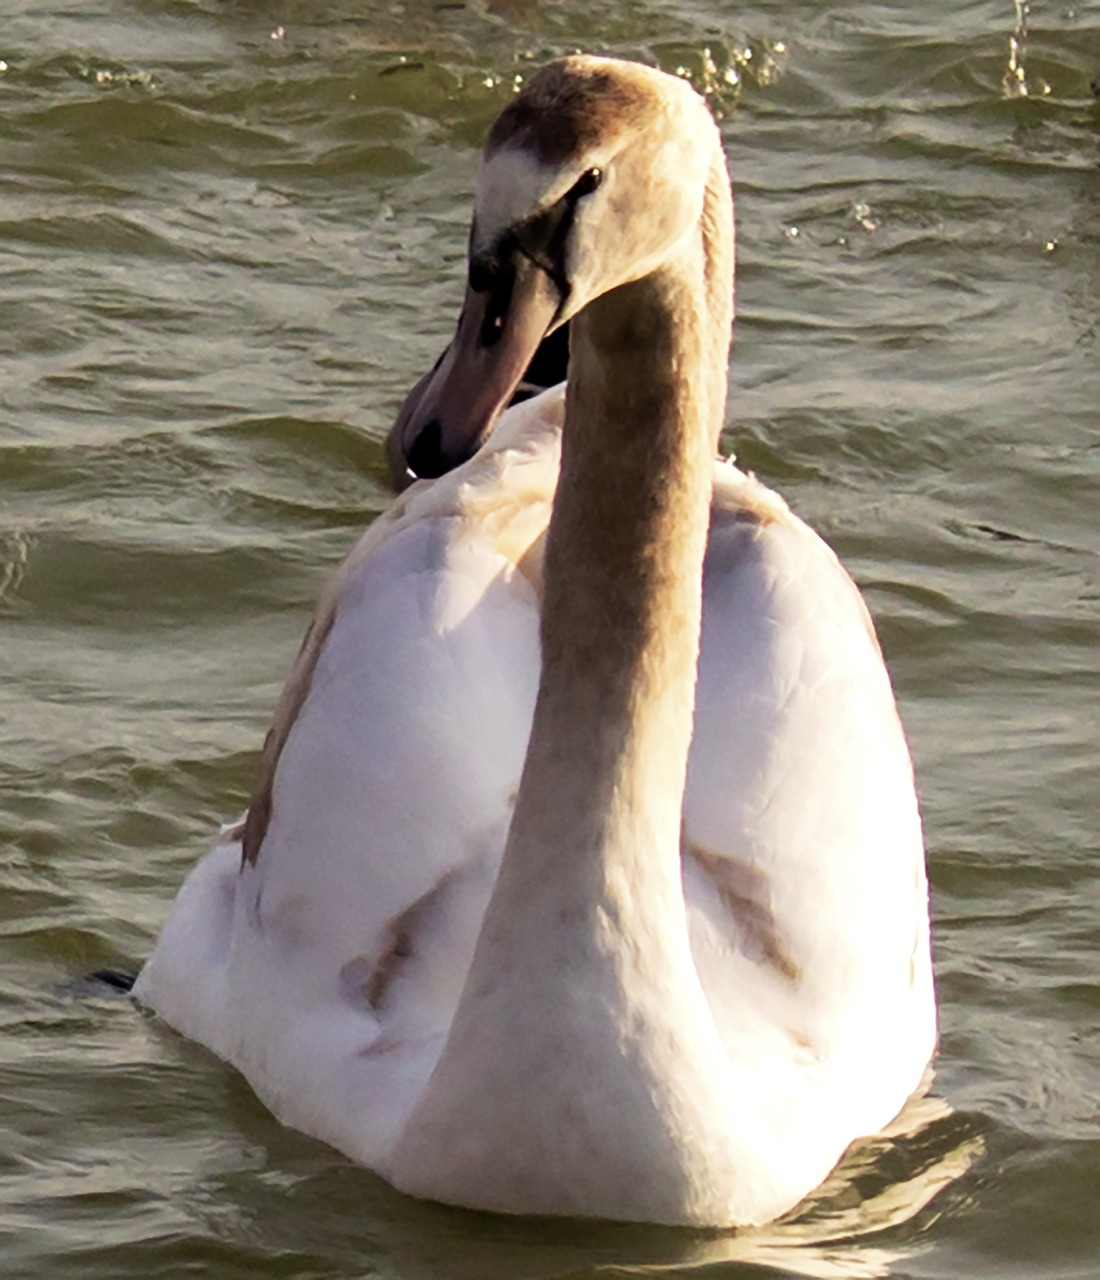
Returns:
<point x="591" y="177"/>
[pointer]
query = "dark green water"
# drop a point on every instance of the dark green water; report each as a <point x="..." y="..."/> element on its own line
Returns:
<point x="230" y="238"/>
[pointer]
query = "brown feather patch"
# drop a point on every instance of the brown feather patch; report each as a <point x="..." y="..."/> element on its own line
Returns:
<point x="743" y="891"/>
<point x="294" y="694"/>
<point x="564" y="109"/>
<point x="396" y="945"/>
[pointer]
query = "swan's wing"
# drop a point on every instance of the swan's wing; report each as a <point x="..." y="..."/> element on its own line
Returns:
<point x="804" y="865"/>
<point x="328" y="966"/>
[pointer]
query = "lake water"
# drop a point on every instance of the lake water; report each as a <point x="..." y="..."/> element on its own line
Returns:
<point x="231" y="236"/>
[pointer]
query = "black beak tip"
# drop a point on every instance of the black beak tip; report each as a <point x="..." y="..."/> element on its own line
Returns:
<point x="424" y="455"/>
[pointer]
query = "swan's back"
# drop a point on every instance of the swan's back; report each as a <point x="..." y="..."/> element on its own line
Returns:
<point x="330" y="970"/>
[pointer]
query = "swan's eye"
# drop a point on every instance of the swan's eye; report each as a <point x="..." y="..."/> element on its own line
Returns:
<point x="586" y="184"/>
<point x="482" y="276"/>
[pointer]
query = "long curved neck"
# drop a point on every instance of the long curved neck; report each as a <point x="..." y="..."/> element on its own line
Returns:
<point x="583" y="1072"/>
<point x="604" y="776"/>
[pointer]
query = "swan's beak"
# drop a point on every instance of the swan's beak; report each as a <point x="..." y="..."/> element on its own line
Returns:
<point x="450" y="411"/>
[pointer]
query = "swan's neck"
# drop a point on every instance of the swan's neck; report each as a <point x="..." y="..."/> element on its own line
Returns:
<point x="604" y="774"/>
<point x="583" y="1072"/>
<point x="603" y="782"/>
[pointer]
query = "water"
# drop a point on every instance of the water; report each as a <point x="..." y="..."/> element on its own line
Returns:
<point x="230" y="238"/>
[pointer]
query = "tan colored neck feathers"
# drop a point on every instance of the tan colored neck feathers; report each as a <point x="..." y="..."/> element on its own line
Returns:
<point x="622" y="587"/>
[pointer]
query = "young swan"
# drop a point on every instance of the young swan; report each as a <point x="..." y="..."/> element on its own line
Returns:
<point x="585" y="875"/>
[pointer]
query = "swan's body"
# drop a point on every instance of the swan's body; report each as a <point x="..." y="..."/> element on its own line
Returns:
<point x="642" y="982"/>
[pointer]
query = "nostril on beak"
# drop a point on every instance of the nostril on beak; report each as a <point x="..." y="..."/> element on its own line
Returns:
<point x="425" y="455"/>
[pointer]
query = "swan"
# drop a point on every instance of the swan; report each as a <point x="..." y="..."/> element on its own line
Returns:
<point x="584" y="874"/>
